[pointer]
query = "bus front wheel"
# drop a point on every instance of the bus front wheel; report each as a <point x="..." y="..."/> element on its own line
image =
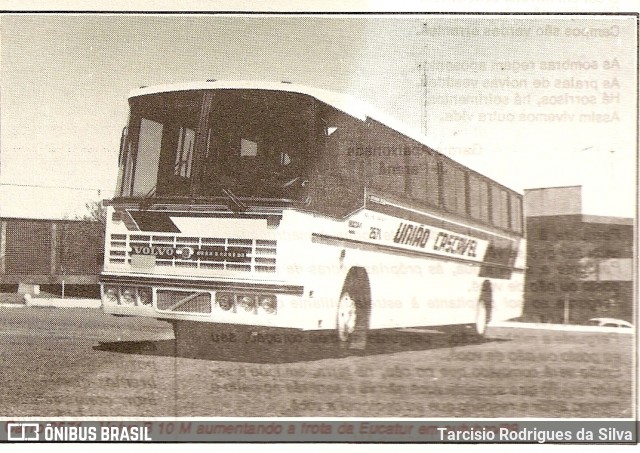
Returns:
<point x="351" y="322"/>
<point x="347" y="317"/>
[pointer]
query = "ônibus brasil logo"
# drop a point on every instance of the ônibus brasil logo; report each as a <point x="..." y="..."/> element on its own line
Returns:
<point x="23" y="431"/>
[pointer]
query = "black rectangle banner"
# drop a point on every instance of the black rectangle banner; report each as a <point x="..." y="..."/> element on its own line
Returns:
<point x="325" y="431"/>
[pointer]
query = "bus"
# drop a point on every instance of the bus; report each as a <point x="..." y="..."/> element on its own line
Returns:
<point x="262" y="205"/>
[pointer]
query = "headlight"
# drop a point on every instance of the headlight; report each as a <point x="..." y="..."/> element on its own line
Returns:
<point x="111" y="296"/>
<point x="128" y="296"/>
<point x="225" y="301"/>
<point x="144" y="296"/>
<point x="268" y="303"/>
<point x="247" y="302"/>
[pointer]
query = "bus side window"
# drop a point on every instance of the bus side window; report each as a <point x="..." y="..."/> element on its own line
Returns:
<point x="478" y="199"/>
<point x="422" y="175"/>
<point x="148" y="156"/>
<point x="184" y="152"/>
<point x="433" y="180"/>
<point x="516" y="213"/>
<point x="454" y="189"/>
<point x="384" y="158"/>
<point x="337" y="183"/>
<point x="509" y="215"/>
<point x="499" y="207"/>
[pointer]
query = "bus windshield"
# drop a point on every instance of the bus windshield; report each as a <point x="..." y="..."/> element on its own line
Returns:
<point x="250" y="143"/>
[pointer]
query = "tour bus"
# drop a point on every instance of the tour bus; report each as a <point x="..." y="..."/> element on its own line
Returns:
<point x="250" y="205"/>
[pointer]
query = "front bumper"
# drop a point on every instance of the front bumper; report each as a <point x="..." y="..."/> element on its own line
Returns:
<point x="269" y="304"/>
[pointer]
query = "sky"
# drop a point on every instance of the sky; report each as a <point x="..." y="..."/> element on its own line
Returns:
<point x="530" y="101"/>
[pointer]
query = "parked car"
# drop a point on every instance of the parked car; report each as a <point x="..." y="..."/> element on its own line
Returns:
<point x="609" y="322"/>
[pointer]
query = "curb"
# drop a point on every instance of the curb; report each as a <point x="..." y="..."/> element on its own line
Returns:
<point x="562" y="327"/>
<point x="61" y="303"/>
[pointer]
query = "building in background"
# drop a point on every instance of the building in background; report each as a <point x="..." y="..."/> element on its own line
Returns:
<point x="37" y="252"/>
<point x="578" y="266"/>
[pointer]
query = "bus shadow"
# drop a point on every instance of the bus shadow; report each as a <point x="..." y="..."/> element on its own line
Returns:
<point x="151" y="348"/>
<point x="308" y="348"/>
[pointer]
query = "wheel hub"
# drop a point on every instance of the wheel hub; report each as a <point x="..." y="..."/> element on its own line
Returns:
<point x="481" y="320"/>
<point x="346" y="317"/>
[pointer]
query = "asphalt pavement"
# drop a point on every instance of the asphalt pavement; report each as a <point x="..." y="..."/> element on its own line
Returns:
<point x="82" y="362"/>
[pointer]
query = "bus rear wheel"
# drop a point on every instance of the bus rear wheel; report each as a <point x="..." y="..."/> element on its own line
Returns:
<point x="481" y="319"/>
<point x="483" y="312"/>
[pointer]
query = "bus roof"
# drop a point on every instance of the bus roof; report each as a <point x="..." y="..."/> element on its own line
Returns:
<point x="344" y="102"/>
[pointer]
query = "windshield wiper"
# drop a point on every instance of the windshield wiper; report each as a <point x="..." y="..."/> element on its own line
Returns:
<point x="235" y="201"/>
<point x="147" y="199"/>
<point x="236" y="204"/>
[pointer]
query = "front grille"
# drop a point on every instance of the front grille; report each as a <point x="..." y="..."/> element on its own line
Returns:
<point x="183" y="301"/>
<point x="224" y="254"/>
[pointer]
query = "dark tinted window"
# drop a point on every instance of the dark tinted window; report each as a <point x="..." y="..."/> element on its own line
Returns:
<point x="454" y="195"/>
